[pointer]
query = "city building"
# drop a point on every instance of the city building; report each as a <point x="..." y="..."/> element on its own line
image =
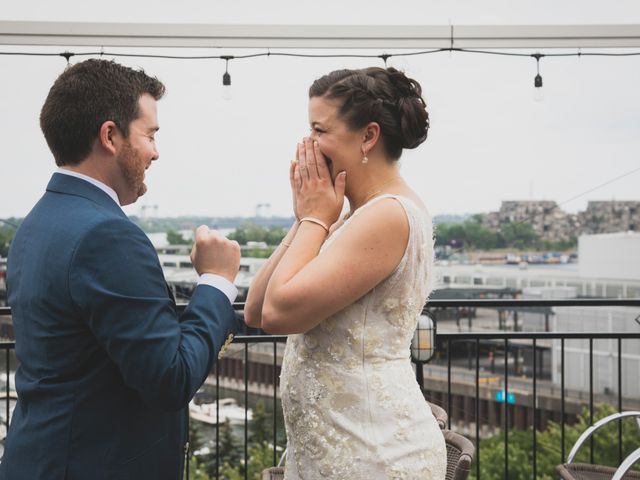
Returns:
<point x="610" y="217"/>
<point x="550" y="222"/>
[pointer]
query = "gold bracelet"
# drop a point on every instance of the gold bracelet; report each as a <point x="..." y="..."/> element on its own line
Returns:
<point x="316" y="221"/>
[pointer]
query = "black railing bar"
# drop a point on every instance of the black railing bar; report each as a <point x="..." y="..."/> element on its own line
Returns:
<point x="217" y="419"/>
<point x="619" y="400"/>
<point x="477" y="456"/>
<point x="8" y="371"/>
<point x="502" y="302"/>
<point x="562" y="398"/>
<point x="591" y="397"/>
<point x="499" y="335"/>
<point x="506" y="409"/>
<point x="246" y="411"/>
<point x="187" y="450"/>
<point x="259" y="338"/>
<point x="7" y="346"/>
<point x="449" y="403"/>
<point x="538" y="335"/>
<point x="484" y="302"/>
<point x="535" y="410"/>
<point x="275" y="386"/>
<point x="570" y="302"/>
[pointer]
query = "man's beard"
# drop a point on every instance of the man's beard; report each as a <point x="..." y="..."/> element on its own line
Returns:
<point x="132" y="166"/>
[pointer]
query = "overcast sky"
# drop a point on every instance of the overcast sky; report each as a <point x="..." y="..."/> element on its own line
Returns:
<point x="490" y="141"/>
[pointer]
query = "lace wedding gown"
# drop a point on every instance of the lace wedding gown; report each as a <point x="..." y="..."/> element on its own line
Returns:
<point x="352" y="407"/>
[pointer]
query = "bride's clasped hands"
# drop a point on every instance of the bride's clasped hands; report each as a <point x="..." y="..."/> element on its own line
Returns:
<point x="316" y="197"/>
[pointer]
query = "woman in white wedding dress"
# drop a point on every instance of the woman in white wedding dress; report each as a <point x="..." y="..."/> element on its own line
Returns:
<point x="349" y="291"/>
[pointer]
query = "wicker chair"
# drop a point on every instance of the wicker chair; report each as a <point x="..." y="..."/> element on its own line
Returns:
<point x="460" y="453"/>
<point x="273" y="473"/>
<point x="440" y="414"/>
<point x="587" y="471"/>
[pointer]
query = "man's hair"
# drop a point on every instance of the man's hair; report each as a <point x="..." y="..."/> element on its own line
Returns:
<point x="85" y="96"/>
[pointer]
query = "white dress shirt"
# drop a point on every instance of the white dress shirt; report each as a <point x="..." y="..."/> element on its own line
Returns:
<point x="213" y="280"/>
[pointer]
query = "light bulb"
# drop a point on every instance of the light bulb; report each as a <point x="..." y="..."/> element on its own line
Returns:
<point x="226" y="86"/>
<point x="538" y="93"/>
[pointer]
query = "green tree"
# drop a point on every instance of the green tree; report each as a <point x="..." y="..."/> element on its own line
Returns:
<point x="7" y="231"/>
<point x="519" y="235"/>
<point x="476" y="236"/>
<point x="258" y="252"/>
<point x="259" y="457"/>
<point x="196" y="439"/>
<point x="239" y="235"/>
<point x="259" y="429"/>
<point x="275" y="235"/>
<point x="549" y="451"/>
<point x="469" y="234"/>
<point x="197" y="470"/>
<point x="229" y="451"/>
<point x="259" y="453"/>
<point x="176" y="238"/>
<point x="250" y="232"/>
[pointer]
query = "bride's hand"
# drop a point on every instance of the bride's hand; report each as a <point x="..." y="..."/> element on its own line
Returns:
<point x="314" y="192"/>
<point x="292" y="173"/>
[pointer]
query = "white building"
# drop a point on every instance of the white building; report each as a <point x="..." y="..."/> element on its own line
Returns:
<point x="610" y="255"/>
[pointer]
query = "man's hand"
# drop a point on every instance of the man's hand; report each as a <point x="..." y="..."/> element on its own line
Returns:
<point x="213" y="253"/>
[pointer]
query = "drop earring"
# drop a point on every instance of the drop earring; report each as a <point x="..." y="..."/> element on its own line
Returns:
<point x="365" y="159"/>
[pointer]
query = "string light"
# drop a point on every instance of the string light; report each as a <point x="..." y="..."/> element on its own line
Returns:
<point x="537" y="82"/>
<point x="226" y="77"/>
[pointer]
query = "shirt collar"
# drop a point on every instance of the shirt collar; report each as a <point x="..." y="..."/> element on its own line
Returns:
<point x="105" y="188"/>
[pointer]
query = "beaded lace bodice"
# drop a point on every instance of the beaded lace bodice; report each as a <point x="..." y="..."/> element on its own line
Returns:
<point x="353" y="409"/>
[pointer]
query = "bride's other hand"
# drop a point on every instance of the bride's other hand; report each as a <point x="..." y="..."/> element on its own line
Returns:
<point x="315" y="194"/>
<point x="292" y="175"/>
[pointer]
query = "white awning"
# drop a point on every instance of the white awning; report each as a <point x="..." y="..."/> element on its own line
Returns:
<point x="318" y="36"/>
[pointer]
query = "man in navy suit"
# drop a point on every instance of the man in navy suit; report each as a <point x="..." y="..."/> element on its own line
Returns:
<point x="106" y="364"/>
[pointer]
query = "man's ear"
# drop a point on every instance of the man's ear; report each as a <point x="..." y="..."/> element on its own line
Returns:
<point x="107" y="136"/>
<point x="371" y="136"/>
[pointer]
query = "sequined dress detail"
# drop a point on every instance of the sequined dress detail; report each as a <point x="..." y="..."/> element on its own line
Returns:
<point x="352" y="406"/>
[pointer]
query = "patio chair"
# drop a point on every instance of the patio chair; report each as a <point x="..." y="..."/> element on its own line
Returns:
<point x="587" y="471"/>
<point x="440" y="414"/>
<point x="460" y="453"/>
<point x="273" y="473"/>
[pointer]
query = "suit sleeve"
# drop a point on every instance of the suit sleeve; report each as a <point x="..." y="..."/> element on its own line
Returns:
<point x="116" y="281"/>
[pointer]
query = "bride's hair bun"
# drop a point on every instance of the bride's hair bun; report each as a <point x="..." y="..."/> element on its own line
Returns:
<point x="385" y="96"/>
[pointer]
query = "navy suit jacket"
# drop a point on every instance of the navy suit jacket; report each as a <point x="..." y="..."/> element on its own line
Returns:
<point x="106" y="365"/>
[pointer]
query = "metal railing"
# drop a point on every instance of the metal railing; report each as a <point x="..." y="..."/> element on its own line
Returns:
<point x="447" y="341"/>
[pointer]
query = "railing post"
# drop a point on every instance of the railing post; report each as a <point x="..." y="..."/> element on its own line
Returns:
<point x="477" y="456"/>
<point x="420" y="375"/>
<point x="506" y="409"/>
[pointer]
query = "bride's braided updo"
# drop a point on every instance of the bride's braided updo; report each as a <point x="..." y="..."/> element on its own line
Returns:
<point x="385" y="96"/>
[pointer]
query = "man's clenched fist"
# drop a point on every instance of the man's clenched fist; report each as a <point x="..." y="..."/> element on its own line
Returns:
<point x="214" y="253"/>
